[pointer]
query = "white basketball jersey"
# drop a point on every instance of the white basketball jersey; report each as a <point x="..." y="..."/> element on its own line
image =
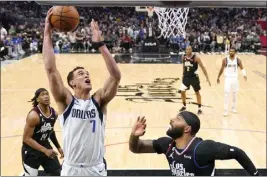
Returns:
<point x="231" y="68"/>
<point x="83" y="126"/>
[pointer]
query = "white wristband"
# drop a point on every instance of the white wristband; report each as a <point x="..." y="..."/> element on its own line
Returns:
<point x="243" y="72"/>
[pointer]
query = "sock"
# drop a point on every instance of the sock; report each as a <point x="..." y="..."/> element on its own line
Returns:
<point x="199" y="106"/>
<point x="234" y="100"/>
<point x="226" y="98"/>
<point x="184" y="104"/>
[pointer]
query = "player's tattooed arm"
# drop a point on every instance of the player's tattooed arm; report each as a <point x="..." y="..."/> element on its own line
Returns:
<point x="198" y="60"/>
<point x="58" y="90"/>
<point x="221" y="70"/>
<point x="109" y="91"/>
<point x="137" y="145"/>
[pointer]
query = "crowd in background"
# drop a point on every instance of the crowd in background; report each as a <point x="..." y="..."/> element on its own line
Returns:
<point x="207" y="29"/>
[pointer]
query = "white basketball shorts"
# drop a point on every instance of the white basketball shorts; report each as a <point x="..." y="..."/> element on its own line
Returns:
<point x="80" y="170"/>
<point x="231" y="84"/>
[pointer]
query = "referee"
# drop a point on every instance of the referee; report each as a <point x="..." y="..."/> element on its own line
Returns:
<point x="187" y="154"/>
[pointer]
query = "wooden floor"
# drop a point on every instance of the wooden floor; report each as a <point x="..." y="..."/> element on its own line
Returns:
<point x="247" y="129"/>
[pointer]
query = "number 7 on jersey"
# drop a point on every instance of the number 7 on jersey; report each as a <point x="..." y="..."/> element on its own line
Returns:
<point x="93" y="124"/>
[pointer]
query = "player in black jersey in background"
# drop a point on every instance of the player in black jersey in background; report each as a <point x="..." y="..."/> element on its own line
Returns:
<point x="190" y="77"/>
<point x="36" y="149"/>
<point x="187" y="154"/>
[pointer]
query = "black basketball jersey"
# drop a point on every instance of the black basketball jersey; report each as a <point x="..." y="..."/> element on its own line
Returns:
<point x="183" y="162"/>
<point x="190" y="66"/>
<point x="43" y="130"/>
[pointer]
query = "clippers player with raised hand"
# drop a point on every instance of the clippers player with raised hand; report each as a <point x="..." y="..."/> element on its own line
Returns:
<point x="191" y="78"/>
<point x="187" y="154"/>
<point x="36" y="149"/>
<point x="230" y="65"/>
<point x="82" y="115"/>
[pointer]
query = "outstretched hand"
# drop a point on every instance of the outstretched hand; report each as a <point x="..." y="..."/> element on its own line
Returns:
<point x="139" y="127"/>
<point x="96" y="33"/>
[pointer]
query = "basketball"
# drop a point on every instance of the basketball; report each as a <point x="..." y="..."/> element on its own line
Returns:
<point x="65" y="18"/>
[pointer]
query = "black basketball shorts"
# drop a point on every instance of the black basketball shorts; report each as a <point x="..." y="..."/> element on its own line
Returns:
<point x="190" y="81"/>
<point x="32" y="160"/>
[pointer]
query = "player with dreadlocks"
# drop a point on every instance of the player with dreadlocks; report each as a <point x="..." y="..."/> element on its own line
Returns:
<point x="36" y="149"/>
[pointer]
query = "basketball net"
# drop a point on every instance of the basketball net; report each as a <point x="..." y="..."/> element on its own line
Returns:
<point x="170" y="20"/>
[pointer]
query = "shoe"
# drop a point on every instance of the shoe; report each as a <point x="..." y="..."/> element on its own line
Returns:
<point x="199" y="112"/>
<point x="234" y="110"/>
<point x="182" y="109"/>
<point x="225" y="114"/>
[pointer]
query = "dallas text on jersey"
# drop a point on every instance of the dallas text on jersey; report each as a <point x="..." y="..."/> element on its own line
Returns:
<point x="76" y="113"/>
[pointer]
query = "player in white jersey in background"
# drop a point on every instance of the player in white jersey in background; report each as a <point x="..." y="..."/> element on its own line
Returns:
<point x="81" y="115"/>
<point x="230" y="65"/>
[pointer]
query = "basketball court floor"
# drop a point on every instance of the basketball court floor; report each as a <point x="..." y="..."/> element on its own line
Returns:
<point x="146" y="90"/>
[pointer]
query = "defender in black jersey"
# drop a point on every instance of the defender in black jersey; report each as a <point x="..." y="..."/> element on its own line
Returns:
<point x="190" y="77"/>
<point x="36" y="150"/>
<point x="187" y="154"/>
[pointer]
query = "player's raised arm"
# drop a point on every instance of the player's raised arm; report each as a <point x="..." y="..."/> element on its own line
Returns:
<point x="137" y="145"/>
<point x="210" y="150"/>
<point x="109" y="91"/>
<point x="198" y="60"/>
<point x="60" y="93"/>
<point x="221" y="70"/>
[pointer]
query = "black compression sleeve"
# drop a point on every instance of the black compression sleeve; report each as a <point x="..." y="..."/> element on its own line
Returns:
<point x="209" y="151"/>
<point x="53" y="138"/>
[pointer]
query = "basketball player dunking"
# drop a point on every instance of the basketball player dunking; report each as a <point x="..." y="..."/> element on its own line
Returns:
<point x="230" y="64"/>
<point x="190" y="77"/>
<point x="82" y="115"/>
<point x="36" y="149"/>
<point x="187" y="154"/>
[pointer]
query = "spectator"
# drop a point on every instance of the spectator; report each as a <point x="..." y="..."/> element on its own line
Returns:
<point x="79" y="41"/>
<point x="3" y="32"/>
<point x="204" y="29"/>
<point x="126" y="42"/>
<point x="72" y="39"/>
<point x="34" y="46"/>
<point x="219" y="40"/>
<point x="12" y="30"/>
<point x="227" y="44"/>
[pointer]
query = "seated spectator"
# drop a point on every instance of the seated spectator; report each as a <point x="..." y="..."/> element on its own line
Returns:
<point x="33" y="45"/>
<point x="213" y="42"/>
<point x="126" y="42"/>
<point x="219" y="40"/>
<point x="79" y="41"/>
<point x="3" y="33"/>
<point x="12" y="30"/>
<point x="174" y="43"/>
<point x="72" y="39"/>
